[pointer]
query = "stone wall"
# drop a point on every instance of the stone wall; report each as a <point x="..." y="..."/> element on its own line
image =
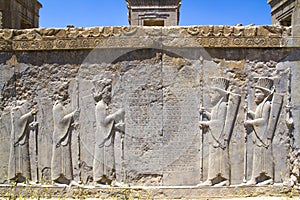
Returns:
<point x="178" y="106"/>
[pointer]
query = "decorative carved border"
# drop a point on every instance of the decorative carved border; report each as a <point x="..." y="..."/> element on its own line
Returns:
<point x="139" y="37"/>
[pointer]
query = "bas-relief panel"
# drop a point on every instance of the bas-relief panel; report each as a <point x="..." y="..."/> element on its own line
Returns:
<point x="161" y="120"/>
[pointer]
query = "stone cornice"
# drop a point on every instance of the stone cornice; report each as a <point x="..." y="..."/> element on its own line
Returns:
<point x="146" y="3"/>
<point x="144" y="37"/>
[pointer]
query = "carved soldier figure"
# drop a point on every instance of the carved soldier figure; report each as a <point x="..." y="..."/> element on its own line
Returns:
<point x="61" y="163"/>
<point x="268" y="104"/>
<point x="22" y="123"/>
<point x="218" y="137"/>
<point x="106" y="126"/>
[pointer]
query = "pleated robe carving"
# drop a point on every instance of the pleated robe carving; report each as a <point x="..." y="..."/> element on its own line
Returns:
<point x="61" y="163"/>
<point x="262" y="154"/>
<point x="19" y="160"/>
<point x="218" y="161"/>
<point x="104" y="159"/>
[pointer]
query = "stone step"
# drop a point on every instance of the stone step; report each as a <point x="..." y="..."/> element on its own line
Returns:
<point x="139" y="192"/>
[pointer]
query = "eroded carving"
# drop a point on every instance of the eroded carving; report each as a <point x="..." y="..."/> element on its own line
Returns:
<point x="161" y="97"/>
<point x="85" y="38"/>
<point x="104" y="166"/>
<point x="238" y="31"/>
<point x="263" y="120"/>
<point x="19" y="169"/>
<point x="220" y="124"/>
<point x="61" y="163"/>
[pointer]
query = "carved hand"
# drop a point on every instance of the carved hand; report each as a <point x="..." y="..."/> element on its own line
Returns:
<point x="203" y="124"/>
<point x="120" y="126"/>
<point x="76" y="113"/>
<point x="33" y="124"/>
<point x="75" y="125"/>
<point x="248" y="123"/>
<point x="34" y="111"/>
<point x="202" y="110"/>
<point x="250" y="113"/>
<point x="269" y="142"/>
<point x="225" y="144"/>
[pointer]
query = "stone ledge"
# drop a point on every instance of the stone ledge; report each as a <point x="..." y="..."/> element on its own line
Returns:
<point x="144" y="37"/>
<point x="139" y="192"/>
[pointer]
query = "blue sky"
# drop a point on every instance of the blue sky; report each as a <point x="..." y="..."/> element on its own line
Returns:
<point x="87" y="13"/>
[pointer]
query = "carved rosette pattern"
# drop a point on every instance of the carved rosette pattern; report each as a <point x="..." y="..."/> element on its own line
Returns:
<point x="114" y="37"/>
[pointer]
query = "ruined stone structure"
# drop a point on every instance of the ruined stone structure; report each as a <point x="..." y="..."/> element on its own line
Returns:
<point x="19" y="14"/>
<point x="282" y="11"/>
<point x="191" y="106"/>
<point x="286" y="13"/>
<point x="153" y="12"/>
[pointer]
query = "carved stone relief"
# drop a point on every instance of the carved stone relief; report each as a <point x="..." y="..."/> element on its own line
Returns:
<point x="219" y="128"/>
<point x="19" y="166"/>
<point x="1" y="19"/>
<point x="61" y="162"/>
<point x="151" y="117"/>
<point x="116" y="37"/>
<point x="263" y="120"/>
<point x="107" y="126"/>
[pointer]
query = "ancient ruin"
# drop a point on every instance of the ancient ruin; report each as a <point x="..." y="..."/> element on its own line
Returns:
<point x="153" y="12"/>
<point x="19" y="14"/>
<point x="196" y="106"/>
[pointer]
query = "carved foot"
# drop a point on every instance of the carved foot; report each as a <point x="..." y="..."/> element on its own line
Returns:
<point x="251" y="182"/>
<point x="33" y="183"/>
<point x="22" y="184"/>
<point x="61" y="181"/>
<point x="116" y="184"/>
<point x="101" y="185"/>
<point x="223" y="183"/>
<point x="205" y="183"/>
<point x="297" y="187"/>
<point x="266" y="182"/>
<point x="60" y="184"/>
<point x="74" y="183"/>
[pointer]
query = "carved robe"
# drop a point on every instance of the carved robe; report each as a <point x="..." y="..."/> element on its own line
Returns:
<point x="19" y="159"/>
<point x="104" y="159"/>
<point x="61" y="163"/>
<point x="262" y="154"/>
<point x="218" y="161"/>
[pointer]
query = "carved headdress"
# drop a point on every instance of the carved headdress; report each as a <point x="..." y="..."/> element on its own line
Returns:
<point x="265" y="84"/>
<point x="102" y="86"/>
<point x="61" y="92"/>
<point x="220" y="84"/>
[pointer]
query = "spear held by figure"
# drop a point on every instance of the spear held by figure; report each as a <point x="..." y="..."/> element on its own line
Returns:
<point x="245" y="141"/>
<point x="246" y="109"/>
<point x="35" y="124"/>
<point x="201" y="110"/>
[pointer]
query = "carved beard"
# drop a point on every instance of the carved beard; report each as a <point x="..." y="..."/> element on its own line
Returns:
<point x="106" y="98"/>
<point x="215" y="97"/>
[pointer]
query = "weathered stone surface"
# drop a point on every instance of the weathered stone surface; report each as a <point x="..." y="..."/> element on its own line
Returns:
<point x="177" y="106"/>
<point x="128" y="37"/>
<point x="203" y="193"/>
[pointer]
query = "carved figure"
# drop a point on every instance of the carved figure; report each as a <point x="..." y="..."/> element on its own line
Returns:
<point x="19" y="161"/>
<point x="61" y="163"/>
<point x="219" y="126"/>
<point x="263" y="121"/>
<point x="106" y="127"/>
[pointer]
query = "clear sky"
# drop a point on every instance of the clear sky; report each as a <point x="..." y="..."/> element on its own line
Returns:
<point x="87" y="13"/>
